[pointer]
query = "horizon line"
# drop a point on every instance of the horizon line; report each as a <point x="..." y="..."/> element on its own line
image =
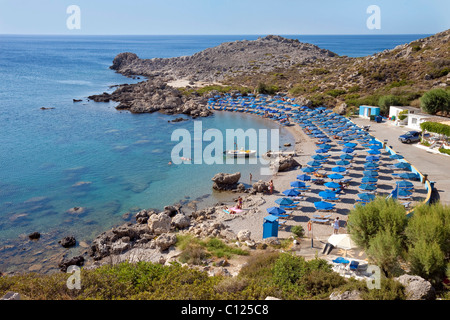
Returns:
<point x="219" y="34"/>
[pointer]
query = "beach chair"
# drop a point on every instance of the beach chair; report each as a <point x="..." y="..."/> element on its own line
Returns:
<point x="326" y="221"/>
<point x="353" y="265"/>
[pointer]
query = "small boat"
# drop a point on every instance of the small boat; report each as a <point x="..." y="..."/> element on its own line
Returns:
<point x="240" y="153"/>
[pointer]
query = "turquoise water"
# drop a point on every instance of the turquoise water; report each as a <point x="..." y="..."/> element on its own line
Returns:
<point x="89" y="154"/>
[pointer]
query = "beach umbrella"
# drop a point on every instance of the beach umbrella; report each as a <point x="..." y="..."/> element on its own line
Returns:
<point x="275" y="210"/>
<point x="396" y="156"/>
<point x="372" y="158"/>
<point x="370" y="165"/>
<point x="375" y="146"/>
<point x="335" y="176"/>
<point x="339" y="169"/>
<point x="321" y="150"/>
<point x="327" y="194"/>
<point x="346" y="157"/>
<point x="324" y="146"/>
<point x="409" y="175"/>
<point x="370" y="173"/>
<point x="342" y="163"/>
<point x="322" y="205"/>
<point x="402" y="165"/>
<point x="342" y="241"/>
<point x="348" y="150"/>
<point x="350" y="145"/>
<point x="325" y="140"/>
<point x="332" y="185"/>
<point x="366" y="196"/>
<point x="309" y="169"/>
<point x="291" y="192"/>
<point x="303" y="177"/>
<point x="369" y="187"/>
<point x="315" y="163"/>
<point x="369" y="180"/>
<point x="373" y="151"/>
<point x="298" y="184"/>
<point x="318" y="157"/>
<point x="403" y="193"/>
<point x="405" y="184"/>
<point x="284" y="201"/>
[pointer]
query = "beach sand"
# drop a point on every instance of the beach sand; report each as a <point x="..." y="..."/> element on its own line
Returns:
<point x="305" y="147"/>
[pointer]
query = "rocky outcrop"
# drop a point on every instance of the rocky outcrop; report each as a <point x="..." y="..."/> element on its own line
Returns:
<point x="417" y="288"/>
<point x="226" y="181"/>
<point x="159" y="223"/>
<point x="68" y="242"/>
<point x="260" y="187"/>
<point x="154" y="96"/>
<point x="74" y="261"/>
<point x="346" y="295"/>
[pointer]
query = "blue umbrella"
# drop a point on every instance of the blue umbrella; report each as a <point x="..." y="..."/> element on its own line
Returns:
<point x="369" y="180"/>
<point x="318" y="157"/>
<point x="402" y="165"/>
<point x="322" y="205"/>
<point x="276" y="210"/>
<point x="375" y="146"/>
<point x="350" y="145"/>
<point x="405" y="184"/>
<point x="284" y="201"/>
<point x="321" y="150"/>
<point x="315" y="163"/>
<point x="327" y="194"/>
<point x="366" y="186"/>
<point x="324" y="146"/>
<point x="348" y="150"/>
<point x="298" y="184"/>
<point x="369" y="165"/>
<point x="370" y="173"/>
<point x="335" y="176"/>
<point x="403" y="193"/>
<point x="338" y="169"/>
<point x="342" y="163"/>
<point x="291" y="192"/>
<point x="372" y="151"/>
<point x="303" y="177"/>
<point x="309" y="169"/>
<point x="408" y="175"/>
<point x="346" y="157"/>
<point x="332" y="185"/>
<point x="372" y="158"/>
<point x="396" y="157"/>
<point x="366" y="196"/>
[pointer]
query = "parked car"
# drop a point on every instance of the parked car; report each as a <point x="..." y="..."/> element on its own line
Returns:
<point x="410" y="136"/>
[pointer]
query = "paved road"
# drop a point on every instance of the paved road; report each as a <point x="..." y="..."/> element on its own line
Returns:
<point x="437" y="166"/>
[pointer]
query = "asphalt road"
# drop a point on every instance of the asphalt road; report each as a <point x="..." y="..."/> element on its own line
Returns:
<point x="437" y="166"/>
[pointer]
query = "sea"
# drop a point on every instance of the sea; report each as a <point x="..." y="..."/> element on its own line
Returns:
<point x="89" y="155"/>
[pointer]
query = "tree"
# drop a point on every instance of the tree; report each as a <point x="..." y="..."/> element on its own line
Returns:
<point x="384" y="102"/>
<point x="435" y="100"/>
<point x="427" y="260"/>
<point x="385" y="249"/>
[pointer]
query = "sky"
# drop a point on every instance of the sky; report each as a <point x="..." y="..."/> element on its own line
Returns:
<point x="222" y="17"/>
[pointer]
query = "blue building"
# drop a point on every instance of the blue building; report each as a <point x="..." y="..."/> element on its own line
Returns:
<point x="367" y="111"/>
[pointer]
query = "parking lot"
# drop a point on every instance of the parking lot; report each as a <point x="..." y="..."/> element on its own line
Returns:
<point x="437" y="166"/>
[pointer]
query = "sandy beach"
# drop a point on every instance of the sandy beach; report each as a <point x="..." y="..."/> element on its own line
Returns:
<point x="255" y="206"/>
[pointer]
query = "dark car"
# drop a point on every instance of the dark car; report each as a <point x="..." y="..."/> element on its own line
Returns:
<point x="410" y="136"/>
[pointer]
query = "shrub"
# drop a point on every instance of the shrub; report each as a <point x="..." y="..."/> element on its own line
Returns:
<point x="435" y="100"/>
<point x="263" y="88"/>
<point x="443" y="150"/>
<point x="385" y="249"/>
<point x="384" y="102"/>
<point x="335" y="92"/>
<point x="436" y="127"/>
<point x="319" y="71"/>
<point x="389" y="290"/>
<point x="298" y="231"/>
<point x="427" y="260"/>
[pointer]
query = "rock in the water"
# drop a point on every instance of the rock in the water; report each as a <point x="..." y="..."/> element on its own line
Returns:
<point x="75" y="261"/>
<point x="68" y="242"/>
<point x="226" y="181"/>
<point x="417" y="288"/>
<point x="34" y="236"/>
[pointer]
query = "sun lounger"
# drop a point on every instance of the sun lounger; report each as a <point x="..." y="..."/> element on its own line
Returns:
<point x="320" y="220"/>
<point x="322" y="216"/>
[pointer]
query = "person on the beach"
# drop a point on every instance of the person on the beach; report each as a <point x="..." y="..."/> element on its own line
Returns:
<point x="271" y="187"/>
<point x="239" y="204"/>
<point x="336" y="225"/>
<point x="251" y="178"/>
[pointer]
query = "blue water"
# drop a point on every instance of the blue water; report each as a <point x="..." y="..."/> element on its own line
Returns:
<point x="122" y="158"/>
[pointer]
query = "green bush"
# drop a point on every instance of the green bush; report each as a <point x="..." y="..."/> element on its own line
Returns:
<point x="427" y="260"/>
<point x="436" y="127"/>
<point x="435" y="100"/>
<point x="384" y="102"/>
<point x="389" y="290"/>
<point x="443" y="150"/>
<point x="298" y="231"/>
<point x="335" y="92"/>
<point x="385" y="249"/>
<point x="263" y="88"/>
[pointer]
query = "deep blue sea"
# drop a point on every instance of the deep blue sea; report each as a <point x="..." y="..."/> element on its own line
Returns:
<point x="89" y="154"/>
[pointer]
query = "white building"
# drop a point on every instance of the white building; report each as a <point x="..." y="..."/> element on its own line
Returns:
<point x="414" y="117"/>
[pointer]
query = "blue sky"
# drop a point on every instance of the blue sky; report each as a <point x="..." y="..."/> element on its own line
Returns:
<point x="229" y="17"/>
